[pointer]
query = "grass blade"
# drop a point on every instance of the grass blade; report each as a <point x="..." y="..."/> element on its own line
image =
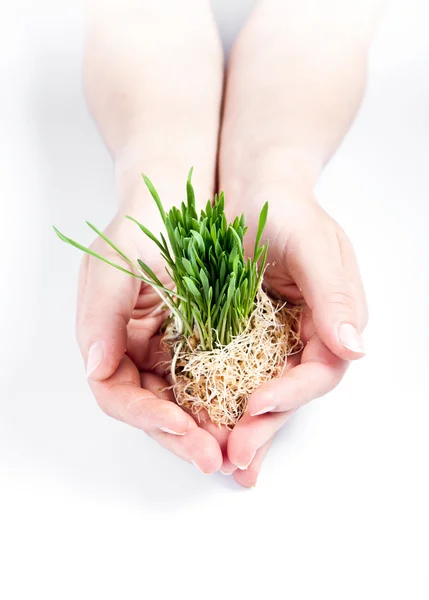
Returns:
<point x="149" y="272"/>
<point x="155" y="196"/>
<point x="261" y="226"/>
<point x="154" y="281"/>
<point x="262" y="267"/>
<point x="110" y="243"/>
<point x="149" y="234"/>
<point x="192" y="287"/>
<point x="191" y="195"/>
<point x="92" y="253"/>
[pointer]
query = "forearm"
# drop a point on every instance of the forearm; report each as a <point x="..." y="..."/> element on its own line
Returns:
<point x="296" y="80"/>
<point x="153" y="77"/>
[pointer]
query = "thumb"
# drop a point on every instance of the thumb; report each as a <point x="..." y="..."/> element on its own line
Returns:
<point x="105" y="304"/>
<point x="325" y="270"/>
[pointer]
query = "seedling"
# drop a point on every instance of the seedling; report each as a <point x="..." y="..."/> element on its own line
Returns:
<point x="225" y="335"/>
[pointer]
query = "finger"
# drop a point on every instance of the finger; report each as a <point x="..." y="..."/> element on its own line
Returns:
<point x="221" y="435"/>
<point x="317" y="374"/>
<point x="120" y="396"/>
<point x="157" y="385"/>
<point x="227" y="468"/>
<point x="145" y="349"/>
<point x="153" y="411"/>
<point x="104" y="310"/>
<point x="197" y="447"/>
<point x="249" y="477"/>
<point x="322" y="263"/>
<point x="252" y="433"/>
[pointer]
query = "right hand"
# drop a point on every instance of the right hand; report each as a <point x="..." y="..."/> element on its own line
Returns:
<point x="118" y="322"/>
<point x="137" y="71"/>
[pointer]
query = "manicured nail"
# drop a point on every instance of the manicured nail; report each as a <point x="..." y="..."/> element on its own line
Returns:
<point x="195" y="464"/>
<point x="264" y="410"/>
<point x="351" y="338"/>
<point x="248" y="464"/>
<point x="166" y="430"/>
<point x="95" y="357"/>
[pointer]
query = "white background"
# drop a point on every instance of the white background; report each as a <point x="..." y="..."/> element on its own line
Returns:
<point x="90" y="508"/>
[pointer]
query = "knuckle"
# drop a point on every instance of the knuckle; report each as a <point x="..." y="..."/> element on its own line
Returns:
<point x="340" y="295"/>
<point x="139" y="411"/>
<point x="150" y="413"/>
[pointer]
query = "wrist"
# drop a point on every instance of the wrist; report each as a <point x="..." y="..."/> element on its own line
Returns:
<point x="261" y="175"/>
<point x="168" y="175"/>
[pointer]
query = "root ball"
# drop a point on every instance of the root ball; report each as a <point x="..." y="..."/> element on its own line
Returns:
<point x="221" y="380"/>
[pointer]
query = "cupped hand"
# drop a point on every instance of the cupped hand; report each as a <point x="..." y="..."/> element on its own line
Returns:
<point x="311" y="263"/>
<point x="118" y="322"/>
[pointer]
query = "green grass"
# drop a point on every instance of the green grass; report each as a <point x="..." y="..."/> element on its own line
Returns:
<point x="216" y="285"/>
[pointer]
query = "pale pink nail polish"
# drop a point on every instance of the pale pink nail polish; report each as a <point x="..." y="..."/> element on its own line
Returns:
<point x="351" y="338"/>
<point x="248" y="464"/>
<point x="264" y="410"/>
<point x="95" y="358"/>
<point x="166" y="430"/>
<point x="195" y="464"/>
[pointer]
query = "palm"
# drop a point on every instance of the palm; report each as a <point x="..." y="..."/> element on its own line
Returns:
<point x="144" y="340"/>
<point x="279" y="231"/>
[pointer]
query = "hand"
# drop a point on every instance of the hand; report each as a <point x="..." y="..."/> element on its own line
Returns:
<point x="312" y="263"/>
<point x="153" y="82"/>
<point x="287" y="107"/>
<point x="118" y="325"/>
<point x="264" y="109"/>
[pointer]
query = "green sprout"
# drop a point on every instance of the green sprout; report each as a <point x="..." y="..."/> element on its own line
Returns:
<point x="215" y="285"/>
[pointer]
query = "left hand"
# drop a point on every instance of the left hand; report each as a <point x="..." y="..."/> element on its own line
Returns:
<point x="311" y="262"/>
<point x="295" y="82"/>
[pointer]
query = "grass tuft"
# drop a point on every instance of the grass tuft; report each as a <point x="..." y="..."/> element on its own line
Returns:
<point x="216" y="286"/>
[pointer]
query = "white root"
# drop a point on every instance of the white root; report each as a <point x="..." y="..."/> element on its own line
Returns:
<point x="221" y="380"/>
<point x="174" y="361"/>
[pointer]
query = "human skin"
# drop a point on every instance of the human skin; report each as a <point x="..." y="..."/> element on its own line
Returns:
<point x="296" y="79"/>
<point x="154" y="81"/>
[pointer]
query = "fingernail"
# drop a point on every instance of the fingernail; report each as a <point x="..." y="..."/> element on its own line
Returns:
<point x="166" y="430"/>
<point x="264" y="410"/>
<point x="351" y="338"/>
<point x="224" y="473"/>
<point x="95" y="357"/>
<point x="246" y="466"/>
<point x="195" y="464"/>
